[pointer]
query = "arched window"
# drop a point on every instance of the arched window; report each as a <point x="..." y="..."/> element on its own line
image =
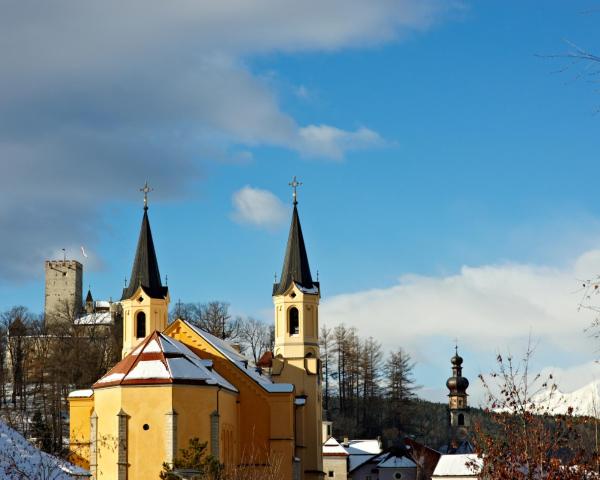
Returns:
<point x="294" y="322"/>
<point x="140" y="325"/>
<point x="461" y="419"/>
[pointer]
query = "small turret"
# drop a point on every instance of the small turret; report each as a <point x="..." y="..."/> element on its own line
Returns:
<point x="89" y="302"/>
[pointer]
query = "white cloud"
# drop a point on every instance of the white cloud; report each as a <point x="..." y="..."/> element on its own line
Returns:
<point x="258" y="207"/>
<point x="330" y="142"/>
<point x="490" y="308"/>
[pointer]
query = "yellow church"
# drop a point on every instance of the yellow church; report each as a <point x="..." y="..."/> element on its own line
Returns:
<point x="176" y="382"/>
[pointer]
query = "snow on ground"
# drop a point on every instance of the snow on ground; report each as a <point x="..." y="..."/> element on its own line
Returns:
<point x="20" y="460"/>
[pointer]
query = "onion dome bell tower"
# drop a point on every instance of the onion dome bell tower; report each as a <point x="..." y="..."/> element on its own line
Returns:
<point x="459" y="410"/>
<point x="145" y="300"/>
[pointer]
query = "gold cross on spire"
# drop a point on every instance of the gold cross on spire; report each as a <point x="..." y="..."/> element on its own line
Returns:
<point x="295" y="184"/>
<point x="146" y="189"/>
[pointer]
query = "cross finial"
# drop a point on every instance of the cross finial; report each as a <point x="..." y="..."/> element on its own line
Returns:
<point x="456" y="345"/>
<point x="295" y="184"/>
<point x="146" y="189"/>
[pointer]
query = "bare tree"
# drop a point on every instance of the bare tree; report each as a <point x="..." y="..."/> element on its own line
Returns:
<point x="3" y="367"/>
<point x="325" y="345"/>
<point x="17" y="321"/>
<point x="255" y="336"/>
<point x="371" y="360"/>
<point x="400" y="386"/>
<point x="216" y="319"/>
<point x="213" y="317"/>
<point x="525" y="440"/>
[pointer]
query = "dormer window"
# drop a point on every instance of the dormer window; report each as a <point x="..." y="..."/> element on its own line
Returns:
<point x="293" y="321"/>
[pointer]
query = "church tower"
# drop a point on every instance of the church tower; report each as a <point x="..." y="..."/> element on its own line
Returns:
<point x="145" y="302"/>
<point x="296" y="356"/>
<point x="459" y="409"/>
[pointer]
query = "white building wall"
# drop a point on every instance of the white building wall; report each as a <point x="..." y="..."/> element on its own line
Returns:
<point x="336" y="465"/>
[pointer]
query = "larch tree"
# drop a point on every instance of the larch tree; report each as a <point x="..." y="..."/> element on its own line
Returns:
<point x="400" y="385"/>
<point x="325" y="345"/>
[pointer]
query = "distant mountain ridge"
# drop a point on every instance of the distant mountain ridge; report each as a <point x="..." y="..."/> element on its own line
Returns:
<point x="585" y="401"/>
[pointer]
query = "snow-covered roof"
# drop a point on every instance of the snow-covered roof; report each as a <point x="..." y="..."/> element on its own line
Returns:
<point x="355" y="461"/>
<point x="81" y="393"/>
<point x="392" y="461"/>
<point x="312" y="290"/>
<point x="243" y="363"/>
<point x="361" y="451"/>
<point x="162" y="359"/>
<point x="459" y="465"/>
<point x="362" y="447"/>
<point x="333" y="448"/>
<point x="20" y="459"/>
<point x="391" y="458"/>
<point x="102" y="304"/>
<point x="98" y="318"/>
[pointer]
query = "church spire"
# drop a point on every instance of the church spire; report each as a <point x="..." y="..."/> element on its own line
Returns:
<point x="295" y="264"/>
<point x="145" y="271"/>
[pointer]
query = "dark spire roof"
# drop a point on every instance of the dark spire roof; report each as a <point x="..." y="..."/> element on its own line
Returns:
<point x="89" y="297"/>
<point x="295" y="264"/>
<point x="145" y="271"/>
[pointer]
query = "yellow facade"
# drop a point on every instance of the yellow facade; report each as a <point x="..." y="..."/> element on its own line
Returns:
<point x="297" y="361"/>
<point x="265" y="420"/>
<point x="81" y="409"/>
<point x="155" y="313"/>
<point x="147" y="410"/>
<point x="255" y="426"/>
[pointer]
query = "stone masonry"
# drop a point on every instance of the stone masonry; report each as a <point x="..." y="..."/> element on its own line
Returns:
<point x="63" y="288"/>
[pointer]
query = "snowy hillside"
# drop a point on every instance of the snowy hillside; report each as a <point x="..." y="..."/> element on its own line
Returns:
<point x="585" y="401"/>
<point x="20" y="460"/>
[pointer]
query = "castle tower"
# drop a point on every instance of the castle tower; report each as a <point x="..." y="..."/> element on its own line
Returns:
<point x="459" y="409"/>
<point x="145" y="302"/>
<point x="62" y="299"/>
<point x="297" y="359"/>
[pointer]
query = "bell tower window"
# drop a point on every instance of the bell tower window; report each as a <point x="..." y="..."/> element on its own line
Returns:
<point x="461" y="419"/>
<point x="293" y="321"/>
<point x="140" y="325"/>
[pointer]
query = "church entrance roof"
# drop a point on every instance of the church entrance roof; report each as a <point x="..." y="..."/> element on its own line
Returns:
<point x="160" y="359"/>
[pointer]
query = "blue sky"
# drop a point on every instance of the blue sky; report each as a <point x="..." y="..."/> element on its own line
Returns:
<point x="475" y="151"/>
